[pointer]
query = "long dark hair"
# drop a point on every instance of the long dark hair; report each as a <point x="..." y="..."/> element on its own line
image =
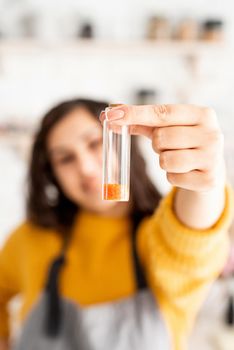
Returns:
<point x="60" y="214"/>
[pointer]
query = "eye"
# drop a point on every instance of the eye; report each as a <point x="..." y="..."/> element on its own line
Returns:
<point x="66" y="159"/>
<point x="95" y="144"/>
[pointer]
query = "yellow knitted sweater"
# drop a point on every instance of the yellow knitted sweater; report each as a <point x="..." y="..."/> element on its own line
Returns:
<point x="180" y="263"/>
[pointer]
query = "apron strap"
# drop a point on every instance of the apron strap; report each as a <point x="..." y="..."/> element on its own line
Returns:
<point x="54" y="303"/>
<point x="139" y="273"/>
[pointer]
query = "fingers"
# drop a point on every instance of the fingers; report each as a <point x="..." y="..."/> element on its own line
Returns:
<point x="184" y="161"/>
<point x="184" y="137"/>
<point x="141" y="130"/>
<point x="194" y="180"/>
<point x="161" y="115"/>
<point x="187" y="138"/>
<point x="133" y="130"/>
<point x="181" y="161"/>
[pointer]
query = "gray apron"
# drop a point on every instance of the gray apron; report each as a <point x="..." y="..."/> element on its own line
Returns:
<point x="56" y="323"/>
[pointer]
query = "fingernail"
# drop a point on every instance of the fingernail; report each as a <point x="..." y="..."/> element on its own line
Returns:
<point x="113" y="114"/>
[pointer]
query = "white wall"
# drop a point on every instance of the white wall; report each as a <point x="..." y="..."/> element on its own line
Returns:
<point x="12" y="191"/>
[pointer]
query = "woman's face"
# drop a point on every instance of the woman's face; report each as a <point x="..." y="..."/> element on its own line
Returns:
<point x="75" y="149"/>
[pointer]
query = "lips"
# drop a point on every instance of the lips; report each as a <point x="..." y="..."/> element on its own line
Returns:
<point x="91" y="186"/>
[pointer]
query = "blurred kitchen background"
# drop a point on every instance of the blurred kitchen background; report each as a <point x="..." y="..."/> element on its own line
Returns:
<point x="130" y="51"/>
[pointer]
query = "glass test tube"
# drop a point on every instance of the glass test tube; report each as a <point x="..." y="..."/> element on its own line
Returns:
<point x="116" y="161"/>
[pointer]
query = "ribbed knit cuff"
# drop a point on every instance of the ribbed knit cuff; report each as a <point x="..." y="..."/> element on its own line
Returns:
<point x="187" y="241"/>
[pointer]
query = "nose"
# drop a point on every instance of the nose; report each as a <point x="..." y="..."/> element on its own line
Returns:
<point x="87" y="165"/>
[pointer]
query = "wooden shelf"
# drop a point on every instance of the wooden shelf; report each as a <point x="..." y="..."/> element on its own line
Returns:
<point x="145" y="47"/>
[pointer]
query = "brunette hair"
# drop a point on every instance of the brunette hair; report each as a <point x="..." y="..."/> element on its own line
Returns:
<point x="60" y="214"/>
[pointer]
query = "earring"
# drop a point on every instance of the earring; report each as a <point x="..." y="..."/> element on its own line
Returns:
<point x="52" y="194"/>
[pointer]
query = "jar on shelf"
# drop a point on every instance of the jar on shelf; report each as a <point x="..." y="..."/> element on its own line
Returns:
<point x="187" y="29"/>
<point x="146" y="96"/>
<point x="212" y="30"/>
<point x="158" y="28"/>
<point x="86" y="31"/>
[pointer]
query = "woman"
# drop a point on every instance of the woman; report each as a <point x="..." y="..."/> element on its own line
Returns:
<point x="105" y="249"/>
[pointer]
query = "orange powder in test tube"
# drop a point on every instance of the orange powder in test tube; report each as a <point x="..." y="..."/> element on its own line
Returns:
<point x="112" y="191"/>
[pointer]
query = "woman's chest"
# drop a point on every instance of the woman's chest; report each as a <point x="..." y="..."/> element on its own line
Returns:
<point x="94" y="271"/>
<point x="98" y="271"/>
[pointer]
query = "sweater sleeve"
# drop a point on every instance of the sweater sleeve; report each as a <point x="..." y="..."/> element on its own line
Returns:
<point x="181" y="263"/>
<point x="9" y="280"/>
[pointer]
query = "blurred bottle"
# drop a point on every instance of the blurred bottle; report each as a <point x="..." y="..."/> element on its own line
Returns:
<point x="212" y="30"/>
<point x="188" y="29"/>
<point x="146" y="96"/>
<point x="86" y="31"/>
<point x="28" y="24"/>
<point x="158" y="28"/>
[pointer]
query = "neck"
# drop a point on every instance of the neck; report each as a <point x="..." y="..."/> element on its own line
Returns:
<point x="116" y="211"/>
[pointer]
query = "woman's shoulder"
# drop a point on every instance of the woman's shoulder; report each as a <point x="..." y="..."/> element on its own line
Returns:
<point x="28" y="227"/>
<point x="27" y="232"/>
